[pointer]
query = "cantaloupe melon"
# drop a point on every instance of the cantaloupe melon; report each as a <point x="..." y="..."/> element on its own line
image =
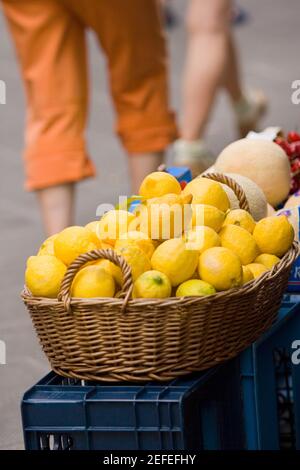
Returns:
<point x="263" y="161"/>
<point x="255" y="196"/>
<point x="293" y="201"/>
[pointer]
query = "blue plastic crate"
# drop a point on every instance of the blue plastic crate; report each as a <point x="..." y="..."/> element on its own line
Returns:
<point x="261" y="395"/>
<point x="182" y="414"/>
<point x="272" y="395"/>
<point x="248" y="403"/>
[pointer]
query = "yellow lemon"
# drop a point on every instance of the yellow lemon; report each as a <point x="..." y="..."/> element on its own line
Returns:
<point x="72" y="242"/>
<point x="158" y="184"/>
<point x="274" y="235"/>
<point x="210" y="216"/>
<point x="136" y="258"/>
<point x="112" y="269"/>
<point x="106" y="246"/>
<point x="205" y="191"/>
<point x="174" y="259"/>
<point x="201" y="238"/>
<point x="240" y="241"/>
<point x="47" y="247"/>
<point x="221" y="268"/>
<point x="165" y="217"/>
<point x="113" y="224"/>
<point x="44" y="275"/>
<point x="247" y="275"/>
<point x="257" y="269"/>
<point x="152" y="285"/>
<point x="93" y="281"/>
<point x="241" y="218"/>
<point x="136" y="238"/>
<point x="267" y="260"/>
<point x="170" y="199"/>
<point x="94" y="229"/>
<point x="195" y="287"/>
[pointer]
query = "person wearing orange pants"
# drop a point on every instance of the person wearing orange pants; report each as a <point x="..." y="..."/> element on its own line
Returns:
<point x="50" y="41"/>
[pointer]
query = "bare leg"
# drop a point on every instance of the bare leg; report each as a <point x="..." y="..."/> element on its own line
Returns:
<point x="249" y="108"/>
<point x="140" y="165"/>
<point x="232" y="80"/>
<point x="211" y="63"/>
<point x="208" y="24"/>
<point x="57" y="207"/>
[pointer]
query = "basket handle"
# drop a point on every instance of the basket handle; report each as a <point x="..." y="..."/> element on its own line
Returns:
<point x="232" y="184"/>
<point x="109" y="254"/>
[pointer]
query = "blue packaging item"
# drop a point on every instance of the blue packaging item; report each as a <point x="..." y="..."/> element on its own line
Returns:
<point x="134" y="205"/>
<point x="181" y="173"/>
<point x="293" y="214"/>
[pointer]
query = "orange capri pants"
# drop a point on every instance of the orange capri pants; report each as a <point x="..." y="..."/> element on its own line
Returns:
<point x="50" y="40"/>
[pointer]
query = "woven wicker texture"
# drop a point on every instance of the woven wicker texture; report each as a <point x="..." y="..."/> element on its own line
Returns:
<point x="124" y="339"/>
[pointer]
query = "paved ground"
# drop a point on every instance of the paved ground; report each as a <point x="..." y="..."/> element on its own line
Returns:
<point x="269" y="45"/>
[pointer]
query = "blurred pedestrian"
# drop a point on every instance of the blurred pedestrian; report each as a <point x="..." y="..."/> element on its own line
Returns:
<point x="50" y="39"/>
<point x="211" y="64"/>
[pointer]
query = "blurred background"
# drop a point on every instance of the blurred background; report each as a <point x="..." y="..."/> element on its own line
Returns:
<point x="269" y="44"/>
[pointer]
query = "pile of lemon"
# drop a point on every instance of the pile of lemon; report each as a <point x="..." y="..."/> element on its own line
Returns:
<point x="177" y="243"/>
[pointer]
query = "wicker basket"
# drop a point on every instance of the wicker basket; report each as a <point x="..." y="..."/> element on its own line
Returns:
<point x="120" y="339"/>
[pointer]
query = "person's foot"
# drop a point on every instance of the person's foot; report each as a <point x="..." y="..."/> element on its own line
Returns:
<point x="249" y="110"/>
<point x="193" y="154"/>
